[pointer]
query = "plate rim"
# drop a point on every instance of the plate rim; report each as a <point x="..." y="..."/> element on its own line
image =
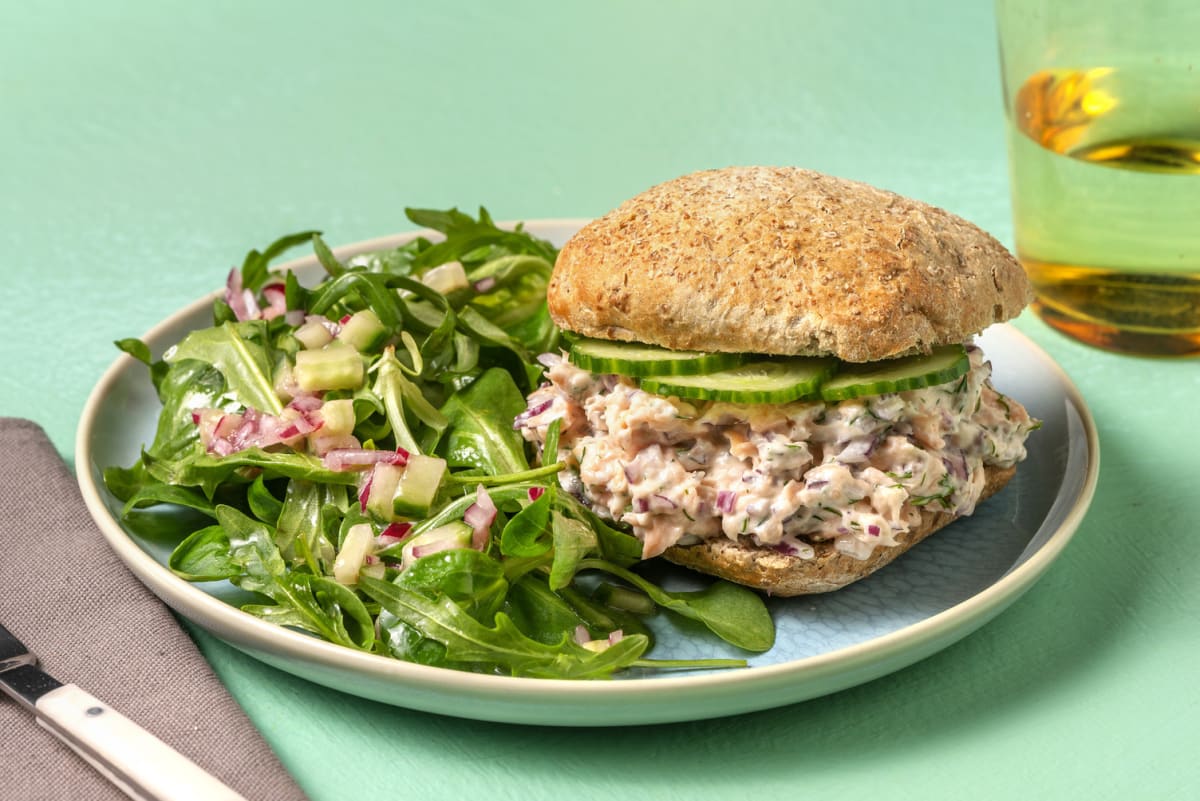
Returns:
<point x="533" y="700"/>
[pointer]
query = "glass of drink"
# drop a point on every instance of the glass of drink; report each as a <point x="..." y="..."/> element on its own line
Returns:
<point x="1102" y="100"/>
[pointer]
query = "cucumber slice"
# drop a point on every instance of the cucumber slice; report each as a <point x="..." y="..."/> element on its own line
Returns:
<point x="778" y="380"/>
<point x="635" y="359"/>
<point x="897" y="375"/>
<point x="384" y="480"/>
<point x="418" y="486"/>
<point x="363" y="331"/>
<point x="335" y="366"/>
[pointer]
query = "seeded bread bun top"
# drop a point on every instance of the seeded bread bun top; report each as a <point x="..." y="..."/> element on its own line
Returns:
<point x="786" y="261"/>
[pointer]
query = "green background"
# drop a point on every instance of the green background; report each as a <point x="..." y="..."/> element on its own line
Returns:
<point x="147" y="145"/>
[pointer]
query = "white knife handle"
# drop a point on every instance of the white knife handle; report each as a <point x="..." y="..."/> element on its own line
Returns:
<point x="143" y="766"/>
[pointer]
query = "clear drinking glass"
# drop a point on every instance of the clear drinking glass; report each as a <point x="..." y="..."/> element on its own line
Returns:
<point x="1102" y="101"/>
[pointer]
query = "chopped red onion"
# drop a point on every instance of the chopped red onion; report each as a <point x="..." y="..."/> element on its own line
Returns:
<point x="785" y="548"/>
<point x="306" y="403"/>
<point x="226" y="425"/>
<point x="536" y="492"/>
<point x="240" y="300"/>
<point x="343" y="459"/>
<point x="330" y="326"/>
<point x="615" y="636"/>
<point x="549" y="359"/>
<point x="812" y="485"/>
<point x="276" y="297"/>
<point x="856" y="451"/>
<point x="533" y="411"/>
<point x="726" y="502"/>
<point x="323" y="444"/>
<point x="365" y="493"/>
<point x="485" y="284"/>
<point x="479" y="516"/>
<point x="873" y="530"/>
<point x="345" y="319"/>
<point x="394" y="533"/>
<point x="663" y="500"/>
<point x="582" y="635"/>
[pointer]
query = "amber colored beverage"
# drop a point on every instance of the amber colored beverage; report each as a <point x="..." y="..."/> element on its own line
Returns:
<point x="1103" y="107"/>
<point x="1106" y="200"/>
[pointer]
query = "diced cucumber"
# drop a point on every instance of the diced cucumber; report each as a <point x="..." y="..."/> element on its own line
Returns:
<point x="350" y="557"/>
<point x="384" y="480"/>
<point x="443" y="538"/>
<point x="337" y="417"/>
<point x="284" y="380"/>
<point x="313" y="335"/>
<point x="636" y="359"/>
<point x="335" y="366"/>
<point x="778" y="380"/>
<point x="897" y="375"/>
<point x="418" y="486"/>
<point x="446" y="278"/>
<point x="364" y="331"/>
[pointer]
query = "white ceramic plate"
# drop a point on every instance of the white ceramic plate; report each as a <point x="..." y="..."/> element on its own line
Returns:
<point x="926" y="600"/>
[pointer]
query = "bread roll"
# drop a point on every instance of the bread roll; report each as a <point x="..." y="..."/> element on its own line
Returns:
<point x="786" y="261"/>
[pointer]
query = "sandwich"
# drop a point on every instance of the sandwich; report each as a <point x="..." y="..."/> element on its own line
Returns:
<point x="771" y="374"/>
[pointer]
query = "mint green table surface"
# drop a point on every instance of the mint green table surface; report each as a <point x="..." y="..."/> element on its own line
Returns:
<point x="147" y="145"/>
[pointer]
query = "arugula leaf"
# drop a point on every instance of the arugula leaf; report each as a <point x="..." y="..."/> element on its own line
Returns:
<point x="208" y="472"/>
<point x="326" y="258"/>
<point x="313" y="603"/>
<point x="149" y="494"/>
<point x="516" y="303"/>
<point x="734" y="613"/>
<point x="357" y="289"/>
<point x="232" y="349"/>
<point x="138" y="350"/>
<point x="204" y="555"/>
<point x="469" y="641"/>
<point x="263" y="505"/>
<point x="573" y="541"/>
<point x="479" y="431"/>
<point x="321" y="606"/>
<point x="473" y="580"/>
<point x="300" y="527"/>
<point x="465" y="235"/>
<point x="619" y="547"/>
<point x="527" y="533"/>
<point x="254" y="266"/>
<point x="185" y="386"/>
<point x="539" y="612"/>
<point x="398" y="396"/>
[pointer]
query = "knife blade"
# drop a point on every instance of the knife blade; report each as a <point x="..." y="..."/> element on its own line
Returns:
<point x="141" y="765"/>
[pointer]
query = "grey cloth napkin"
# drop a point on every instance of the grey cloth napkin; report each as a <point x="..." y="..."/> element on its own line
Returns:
<point x="65" y="594"/>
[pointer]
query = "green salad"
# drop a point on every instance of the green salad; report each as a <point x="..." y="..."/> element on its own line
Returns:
<point x="348" y="454"/>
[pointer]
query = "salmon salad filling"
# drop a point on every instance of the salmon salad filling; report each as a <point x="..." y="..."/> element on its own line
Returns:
<point x="857" y="472"/>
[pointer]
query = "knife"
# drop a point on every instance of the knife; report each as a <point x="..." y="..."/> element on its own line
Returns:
<point x="143" y="766"/>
